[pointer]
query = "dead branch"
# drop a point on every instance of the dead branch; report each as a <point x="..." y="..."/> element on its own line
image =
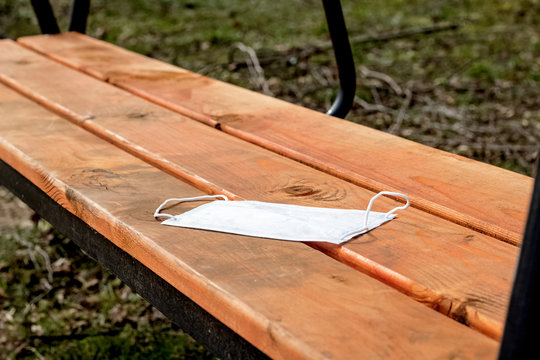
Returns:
<point x="374" y="107"/>
<point x="375" y="95"/>
<point x="400" y="34"/>
<point x="307" y="51"/>
<point x="396" y="126"/>
<point x="381" y="76"/>
<point x="434" y="107"/>
<point x="254" y="66"/>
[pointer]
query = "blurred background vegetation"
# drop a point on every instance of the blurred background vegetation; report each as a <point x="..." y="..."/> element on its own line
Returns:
<point x="459" y="75"/>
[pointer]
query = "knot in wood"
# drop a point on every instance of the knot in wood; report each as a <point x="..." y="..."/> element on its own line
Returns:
<point x="301" y="190"/>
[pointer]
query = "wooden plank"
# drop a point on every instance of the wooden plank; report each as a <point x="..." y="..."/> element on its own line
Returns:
<point x="453" y="269"/>
<point x="287" y="299"/>
<point x="190" y="317"/>
<point x="491" y="200"/>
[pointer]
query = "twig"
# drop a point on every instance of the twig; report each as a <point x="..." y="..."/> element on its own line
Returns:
<point x="322" y="80"/>
<point x="434" y="107"/>
<point x="47" y="260"/>
<point x="34" y="350"/>
<point x="374" y="107"/>
<point x="494" y="147"/>
<point x="394" y="129"/>
<point x="35" y="248"/>
<point x="383" y="77"/>
<point x="34" y="301"/>
<point x="20" y="348"/>
<point x="209" y="68"/>
<point x="254" y="66"/>
<point x="308" y="51"/>
<point x="531" y="136"/>
<point x="375" y="95"/>
<point x="73" y="336"/>
<point x="29" y="251"/>
<point x="392" y="35"/>
<point x="524" y="163"/>
<point x="443" y="110"/>
<point x="503" y="147"/>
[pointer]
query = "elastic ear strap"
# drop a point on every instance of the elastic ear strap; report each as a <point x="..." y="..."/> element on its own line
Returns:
<point x="391" y="211"/>
<point x="196" y="198"/>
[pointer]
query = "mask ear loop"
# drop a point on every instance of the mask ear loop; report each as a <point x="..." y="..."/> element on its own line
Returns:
<point x="204" y="197"/>
<point x="388" y="214"/>
<point x="368" y="210"/>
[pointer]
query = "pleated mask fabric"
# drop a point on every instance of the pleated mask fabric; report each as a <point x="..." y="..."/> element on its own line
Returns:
<point x="280" y="221"/>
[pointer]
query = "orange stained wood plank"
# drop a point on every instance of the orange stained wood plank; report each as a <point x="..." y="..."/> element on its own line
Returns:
<point x="480" y="196"/>
<point x="284" y="297"/>
<point x="451" y="268"/>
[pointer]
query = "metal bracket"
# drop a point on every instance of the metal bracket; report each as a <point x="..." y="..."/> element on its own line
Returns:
<point x="520" y="340"/>
<point x="344" y="58"/>
<point x="47" y="21"/>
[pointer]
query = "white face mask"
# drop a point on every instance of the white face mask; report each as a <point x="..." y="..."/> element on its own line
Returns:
<point x="280" y="221"/>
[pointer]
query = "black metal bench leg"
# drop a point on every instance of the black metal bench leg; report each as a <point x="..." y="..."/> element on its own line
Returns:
<point x="344" y="58"/>
<point x="520" y="338"/>
<point x="79" y="15"/>
<point x="45" y="16"/>
<point x="47" y="21"/>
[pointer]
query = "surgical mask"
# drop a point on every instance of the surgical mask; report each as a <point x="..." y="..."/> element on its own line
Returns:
<point x="280" y="221"/>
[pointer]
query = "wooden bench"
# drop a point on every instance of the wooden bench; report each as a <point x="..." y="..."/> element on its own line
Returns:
<point x="95" y="137"/>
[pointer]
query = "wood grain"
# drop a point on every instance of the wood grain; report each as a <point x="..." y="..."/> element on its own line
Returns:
<point x="289" y="300"/>
<point x="453" y="269"/>
<point x="491" y="200"/>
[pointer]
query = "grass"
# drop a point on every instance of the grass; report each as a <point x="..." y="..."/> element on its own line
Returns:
<point x="474" y="91"/>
